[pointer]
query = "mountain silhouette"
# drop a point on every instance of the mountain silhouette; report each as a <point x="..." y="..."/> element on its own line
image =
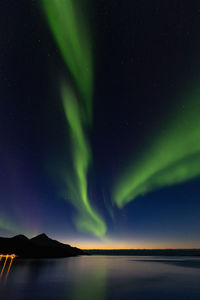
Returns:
<point x="40" y="246"/>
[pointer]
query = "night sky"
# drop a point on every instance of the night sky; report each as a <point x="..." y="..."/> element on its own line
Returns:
<point x="99" y="122"/>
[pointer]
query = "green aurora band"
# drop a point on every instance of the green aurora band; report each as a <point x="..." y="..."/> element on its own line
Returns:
<point x="173" y="157"/>
<point x="88" y="219"/>
<point x="10" y="226"/>
<point x="5" y="224"/>
<point x="70" y="33"/>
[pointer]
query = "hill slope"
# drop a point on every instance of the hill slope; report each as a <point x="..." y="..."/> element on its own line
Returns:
<point x="40" y="246"/>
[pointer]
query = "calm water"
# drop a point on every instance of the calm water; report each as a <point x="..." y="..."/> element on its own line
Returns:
<point x="103" y="277"/>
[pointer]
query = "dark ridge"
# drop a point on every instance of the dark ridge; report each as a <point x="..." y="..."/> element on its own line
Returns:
<point x="147" y="252"/>
<point x="42" y="235"/>
<point x="44" y="241"/>
<point x="40" y="246"/>
<point x="20" y="237"/>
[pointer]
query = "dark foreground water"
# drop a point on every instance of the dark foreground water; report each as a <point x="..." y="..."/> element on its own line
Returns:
<point x="103" y="277"/>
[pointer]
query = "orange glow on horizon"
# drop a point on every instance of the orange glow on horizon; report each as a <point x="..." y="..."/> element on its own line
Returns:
<point x="129" y="245"/>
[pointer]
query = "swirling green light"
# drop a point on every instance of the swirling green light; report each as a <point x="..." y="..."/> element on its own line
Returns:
<point x="71" y="35"/>
<point x="70" y="32"/>
<point x="88" y="219"/>
<point x="172" y="158"/>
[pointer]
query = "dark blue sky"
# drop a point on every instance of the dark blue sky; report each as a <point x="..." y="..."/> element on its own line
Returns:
<point x="145" y="53"/>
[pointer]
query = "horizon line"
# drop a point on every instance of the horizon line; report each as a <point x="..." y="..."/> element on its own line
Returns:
<point x="139" y="249"/>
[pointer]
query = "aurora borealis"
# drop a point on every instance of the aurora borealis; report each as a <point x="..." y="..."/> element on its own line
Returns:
<point x="100" y="121"/>
<point x="75" y="49"/>
<point x="172" y="158"/>
<point x="71" y="34"/>
<point x="88" y="219"/>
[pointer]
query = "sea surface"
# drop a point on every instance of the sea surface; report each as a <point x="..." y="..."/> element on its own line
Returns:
<point x="102" y="277"/>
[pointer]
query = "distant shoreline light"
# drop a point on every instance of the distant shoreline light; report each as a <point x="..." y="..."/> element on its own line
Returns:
<point x="8" y="256"/>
